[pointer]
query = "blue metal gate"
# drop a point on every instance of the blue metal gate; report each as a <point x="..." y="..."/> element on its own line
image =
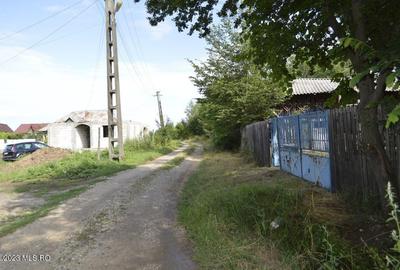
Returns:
<point x="303" y="146"/>
<point x="274" y="142"/>
<point x="289" y="144"/>
<point x="315" y="148"/>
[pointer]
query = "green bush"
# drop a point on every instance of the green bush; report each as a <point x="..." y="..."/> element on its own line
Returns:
<point x="157" y="141"/>
<point x="10" y="136"/>
<point x="75" y="166"/>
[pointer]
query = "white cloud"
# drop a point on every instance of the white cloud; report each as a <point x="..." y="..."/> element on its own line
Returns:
<point x="35" y="88"/>
<point x="158" y="32"/>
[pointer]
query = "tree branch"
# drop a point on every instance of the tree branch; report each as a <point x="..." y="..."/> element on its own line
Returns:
<point x="380" y="85"/>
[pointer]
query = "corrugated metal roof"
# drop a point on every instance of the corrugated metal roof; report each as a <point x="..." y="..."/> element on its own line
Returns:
<point x="313" y="86"/>
<point x="5" y="128"/>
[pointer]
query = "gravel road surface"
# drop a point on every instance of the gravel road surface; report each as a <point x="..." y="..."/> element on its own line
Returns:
<point x="125" y="222"/>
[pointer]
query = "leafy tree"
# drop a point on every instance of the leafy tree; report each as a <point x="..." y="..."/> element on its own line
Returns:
<point x="235" y="92"/>
<point x="165" y="134"/>
<point x="364" y="32"/>
<point x="193" y="122"/>
<point x="182" y="131"/>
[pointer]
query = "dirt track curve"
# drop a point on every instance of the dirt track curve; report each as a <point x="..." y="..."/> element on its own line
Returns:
<point x="126" y="222"/>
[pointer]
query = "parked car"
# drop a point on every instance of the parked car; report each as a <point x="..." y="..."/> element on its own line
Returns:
<point x="15" y="151"/>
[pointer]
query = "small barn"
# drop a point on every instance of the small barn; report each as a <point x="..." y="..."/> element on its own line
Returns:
<point x="309" y="93"/>
<point x="83" y="130"/>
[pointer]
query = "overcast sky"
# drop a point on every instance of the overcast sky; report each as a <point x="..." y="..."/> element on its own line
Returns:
<point x="65" y="69"/>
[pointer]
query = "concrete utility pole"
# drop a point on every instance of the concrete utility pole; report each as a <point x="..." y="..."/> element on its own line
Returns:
<point x="113" y="91"/>
<point x="160" y="109"/>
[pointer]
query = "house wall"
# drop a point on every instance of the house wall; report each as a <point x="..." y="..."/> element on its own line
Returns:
<point x="61" y="135"/>
<point x="95" y="137"/>
<point x="66" y="135"/>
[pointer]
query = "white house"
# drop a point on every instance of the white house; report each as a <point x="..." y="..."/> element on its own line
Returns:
<point x="82" y="129"/>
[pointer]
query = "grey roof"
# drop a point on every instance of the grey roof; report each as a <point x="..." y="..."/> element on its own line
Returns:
<point x="313" y="86"/>
<point x="94" y="116"/>
<point x="85" y="116"/>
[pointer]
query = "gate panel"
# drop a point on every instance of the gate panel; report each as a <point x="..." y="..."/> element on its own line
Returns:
<point x="274" y="143"/>
<point x="315" y="148"/>
<point x="289" y="144"/>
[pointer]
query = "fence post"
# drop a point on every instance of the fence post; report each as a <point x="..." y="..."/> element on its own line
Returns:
<point x="331" y="146"/>
<point x="279" y="142"/>
<point x="268" y="144"/>
<point x="300" y="146"/>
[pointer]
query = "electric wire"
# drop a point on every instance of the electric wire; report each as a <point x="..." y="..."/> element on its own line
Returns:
<point x="139" y="45"/>
<point x="98" y="58"/>
<point x="127" y="54"/>
<point x="67" y="35"/>
<point x="136" y="47"/>
<point x="130" y="60"/>
<point x="39" y="21"/>
<point x="48" y="35"/>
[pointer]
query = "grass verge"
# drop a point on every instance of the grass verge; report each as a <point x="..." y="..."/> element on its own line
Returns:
<point x="242" y="217"/>
<point x="180" y="158"/>
<point x="52" y="202"/>
<point x="57" y="181"/>
<point x="77" y="169"/>
<point x="173" y="162"/>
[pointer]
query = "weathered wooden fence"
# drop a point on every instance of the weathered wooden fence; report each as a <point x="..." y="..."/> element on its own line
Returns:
<point x="350" y="168"/>
<point x="256" y="141"/>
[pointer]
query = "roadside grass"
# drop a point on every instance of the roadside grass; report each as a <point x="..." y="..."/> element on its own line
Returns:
<point x="190" y="149"/>
<point x="173" y="162"/>
<point x="180" y="158"/>
<point x="52" y="202"/>
<point x="57" y="181"/>
<point x="243" y="217"/>
<point x="78" y="169"/>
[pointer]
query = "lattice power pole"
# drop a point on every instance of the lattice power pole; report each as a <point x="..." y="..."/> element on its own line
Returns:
<point x="160" y="109"/>
<point x="115" y="137"/>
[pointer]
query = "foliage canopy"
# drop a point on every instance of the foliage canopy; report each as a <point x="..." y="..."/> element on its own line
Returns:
<point x="235" y="90"/>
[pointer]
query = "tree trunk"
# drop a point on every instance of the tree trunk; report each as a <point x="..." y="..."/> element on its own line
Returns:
<point x="371" y="93"/>
<point x="372" y="141"/>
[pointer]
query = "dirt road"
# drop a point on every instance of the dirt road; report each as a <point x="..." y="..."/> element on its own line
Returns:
<point x="126" y="222"/>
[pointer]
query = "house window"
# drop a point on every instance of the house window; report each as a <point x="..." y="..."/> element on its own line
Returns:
<point x="105" y="131"/>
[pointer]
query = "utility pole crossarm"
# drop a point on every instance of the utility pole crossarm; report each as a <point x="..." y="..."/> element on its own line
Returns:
<point x="115" y="135"/>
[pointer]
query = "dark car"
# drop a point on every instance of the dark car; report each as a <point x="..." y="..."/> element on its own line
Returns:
<point x="13" y="152"/>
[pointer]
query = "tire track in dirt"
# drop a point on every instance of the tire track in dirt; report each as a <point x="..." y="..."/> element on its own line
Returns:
<point x="126" y="222"/>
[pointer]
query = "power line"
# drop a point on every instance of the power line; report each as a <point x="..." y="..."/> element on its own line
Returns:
<point x="139" y="45"/>
<point x="130" y="59"/>
<point x="136" y="47"/>
<point x="48" y="35"/>
<point x="39" y="21"/>
<point x="98" y="58"/>
<point x="68" y="35"/>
